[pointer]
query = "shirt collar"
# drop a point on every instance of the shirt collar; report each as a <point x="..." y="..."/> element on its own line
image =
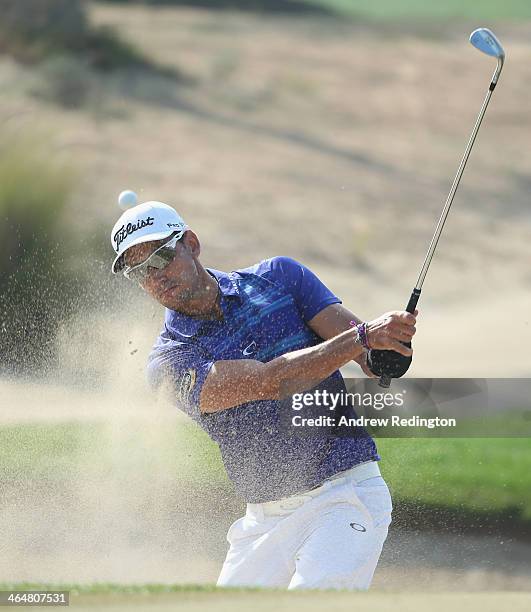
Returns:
<point x="227" y="283"/>
<point x="181" y="325"/>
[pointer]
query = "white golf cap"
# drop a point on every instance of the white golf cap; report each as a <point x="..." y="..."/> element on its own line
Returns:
<point x="143" y="223"/>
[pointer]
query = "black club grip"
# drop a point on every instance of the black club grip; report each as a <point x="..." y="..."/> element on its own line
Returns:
<point x="390" y="364"/>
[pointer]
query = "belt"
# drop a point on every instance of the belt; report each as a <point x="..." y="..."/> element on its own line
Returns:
<point x="356" y="474"/>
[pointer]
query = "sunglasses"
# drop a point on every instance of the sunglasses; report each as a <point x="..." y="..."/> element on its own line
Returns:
<point x="159" y="259"/>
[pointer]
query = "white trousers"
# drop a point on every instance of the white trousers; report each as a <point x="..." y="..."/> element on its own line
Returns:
<point x="328" y="538"/>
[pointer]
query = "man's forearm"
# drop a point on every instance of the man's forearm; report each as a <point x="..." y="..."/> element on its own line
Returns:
<point x="234" y="382"/>
<point x="299" y="370"/>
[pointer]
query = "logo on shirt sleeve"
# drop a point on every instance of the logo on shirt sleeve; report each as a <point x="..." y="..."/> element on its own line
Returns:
<point x="186" y="385"/>
<point x="249" y="350"/>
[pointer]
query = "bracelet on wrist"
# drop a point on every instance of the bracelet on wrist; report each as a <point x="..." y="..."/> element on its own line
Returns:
<point x="361" y="328"/>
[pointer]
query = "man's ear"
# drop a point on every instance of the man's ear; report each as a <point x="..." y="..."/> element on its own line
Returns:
<point x="191" y="243"/>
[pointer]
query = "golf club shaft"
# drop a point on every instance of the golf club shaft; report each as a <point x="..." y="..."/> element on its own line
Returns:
<point x="455" y="185"/>
<point x="390" y="364"/>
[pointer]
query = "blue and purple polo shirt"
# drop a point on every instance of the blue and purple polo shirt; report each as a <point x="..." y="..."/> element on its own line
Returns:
<point x="266" y="309"/>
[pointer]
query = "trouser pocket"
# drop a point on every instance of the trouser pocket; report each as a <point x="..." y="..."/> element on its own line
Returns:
<point x="374" y="495"/>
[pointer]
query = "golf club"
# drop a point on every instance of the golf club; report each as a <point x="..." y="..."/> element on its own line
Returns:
<point x="390" y="364"/>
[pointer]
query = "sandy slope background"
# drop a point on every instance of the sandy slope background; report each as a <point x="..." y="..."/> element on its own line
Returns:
<point x="331" y="142"/>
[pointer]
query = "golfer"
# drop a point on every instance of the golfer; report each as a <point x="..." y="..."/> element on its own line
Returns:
<point x="318" y="509"/>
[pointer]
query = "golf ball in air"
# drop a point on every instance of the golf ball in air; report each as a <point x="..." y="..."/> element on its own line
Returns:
<point x="127" y="199"/>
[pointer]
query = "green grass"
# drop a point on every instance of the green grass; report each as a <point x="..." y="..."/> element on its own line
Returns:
<point x="478" y="474"/>
<point x="52" y="451"/>
<point x="197" y="597"/>
<point x="104" y="588"/>
<point x="484" y="475"/>
<point x="390" y="10"/>
<point x="62" y="451"/>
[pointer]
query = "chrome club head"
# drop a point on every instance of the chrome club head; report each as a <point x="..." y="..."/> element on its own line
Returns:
<point x="484" y="40"/>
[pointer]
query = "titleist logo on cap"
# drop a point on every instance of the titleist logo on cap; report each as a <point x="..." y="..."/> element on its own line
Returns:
<point x="131" y="228"/>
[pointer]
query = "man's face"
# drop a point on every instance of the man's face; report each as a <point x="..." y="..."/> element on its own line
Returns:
<point x="176" y="285"/>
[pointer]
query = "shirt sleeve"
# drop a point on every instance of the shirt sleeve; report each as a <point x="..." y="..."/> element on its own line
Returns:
<point x="183" y="367"/>
<point x="311" y="295"/>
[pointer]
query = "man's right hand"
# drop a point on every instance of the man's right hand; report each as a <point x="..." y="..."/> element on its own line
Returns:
<point x="389" y="331"/>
